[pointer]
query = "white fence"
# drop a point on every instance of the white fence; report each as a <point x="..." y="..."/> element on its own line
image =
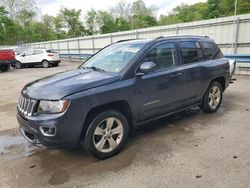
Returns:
<point x="232" y="34"/>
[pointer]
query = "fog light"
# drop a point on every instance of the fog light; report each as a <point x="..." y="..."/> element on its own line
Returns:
<point x="48" y="131"/>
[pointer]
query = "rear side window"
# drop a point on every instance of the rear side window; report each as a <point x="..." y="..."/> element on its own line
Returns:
<point x="164" y="56"/>
<point x="211" y="50"/>
<point x="38" y="52"/>
<point x="51" y="51"/>
<point x="191" y="52"/>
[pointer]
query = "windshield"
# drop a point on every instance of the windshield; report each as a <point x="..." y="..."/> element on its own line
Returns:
<point x="115" y="57"/>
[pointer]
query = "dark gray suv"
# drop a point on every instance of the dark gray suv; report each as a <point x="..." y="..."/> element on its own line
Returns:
<point x="124" y="85"/>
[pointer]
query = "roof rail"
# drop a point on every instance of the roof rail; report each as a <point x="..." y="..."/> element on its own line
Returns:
<point x="190" y="35"/>
<point x="160" y="37"/>
<point x="124" y="40"/>
<point x="182" y="35"/>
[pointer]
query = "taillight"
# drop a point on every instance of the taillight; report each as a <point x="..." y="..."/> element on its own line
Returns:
<point x="50" y="55"/>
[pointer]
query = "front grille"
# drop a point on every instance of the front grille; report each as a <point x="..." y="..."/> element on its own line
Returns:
<point x="26" y="106"/>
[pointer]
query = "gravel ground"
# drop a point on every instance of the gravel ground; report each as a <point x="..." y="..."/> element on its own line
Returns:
<point x="189" y="149"/>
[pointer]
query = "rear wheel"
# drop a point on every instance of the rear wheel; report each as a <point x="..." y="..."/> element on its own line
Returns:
<point x="213" y="98"/>
<point x="5" y="68"/>
<point x="45" y="64"/>
<point x="106" y="134"/>
<point x="18" y="65"/>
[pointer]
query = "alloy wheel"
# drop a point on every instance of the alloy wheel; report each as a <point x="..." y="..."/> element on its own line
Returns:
<point x="214" y="97"/>
<point x="108" y="134"/>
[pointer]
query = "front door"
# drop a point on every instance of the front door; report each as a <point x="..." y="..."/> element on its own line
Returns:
<point x="161" y="90"/>
<point x="27" y="57"/>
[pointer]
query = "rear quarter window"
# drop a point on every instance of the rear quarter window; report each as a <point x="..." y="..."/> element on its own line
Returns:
<point x="190" y="52"/>
<point x="51" y="51"/>
<point x="37" y="52"/>
<point x="211" y="50"/>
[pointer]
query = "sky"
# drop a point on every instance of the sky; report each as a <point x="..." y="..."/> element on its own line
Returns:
<point x="52" y="7"/>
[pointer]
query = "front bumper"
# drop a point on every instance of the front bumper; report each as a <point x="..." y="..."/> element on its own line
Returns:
<point x="65" y="135"/>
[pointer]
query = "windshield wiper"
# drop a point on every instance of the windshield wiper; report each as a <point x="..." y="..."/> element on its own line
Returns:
<point x="95" y="69"/>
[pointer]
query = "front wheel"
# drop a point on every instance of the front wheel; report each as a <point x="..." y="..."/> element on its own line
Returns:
<point x="106" y="134"/>
<point x="18" y="65"/>
<point x="213" y="98"/>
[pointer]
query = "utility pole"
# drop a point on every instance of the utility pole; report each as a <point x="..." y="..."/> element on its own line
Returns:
<point x="132" y="22"/>
<point x="234" y="27"/>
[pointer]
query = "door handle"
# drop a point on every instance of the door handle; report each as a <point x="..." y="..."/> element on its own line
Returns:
<point x="175" y="74"/>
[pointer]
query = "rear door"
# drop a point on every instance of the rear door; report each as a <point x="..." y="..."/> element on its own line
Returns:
<point x="192" y="63"/>
<point x="160" y="91"/>
<point x="39" y="56"/>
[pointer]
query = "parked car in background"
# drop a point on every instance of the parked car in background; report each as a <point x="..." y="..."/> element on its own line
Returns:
<point x="44" y="57"/>
<point x="124" y="85"/>
<point x="7" y="58"/>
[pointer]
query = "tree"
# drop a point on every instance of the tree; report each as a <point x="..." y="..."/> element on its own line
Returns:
<point x="19" y="21"/>
<point x="11" y="32"/>
<point x="48" y="24"/>
<point x="213" y="9"/>
<point x="243" y="7"/>
<point x="187" y="13"/>
<point x="142" y="16"/>
<point x="122" y="24"/>
<point x="59" y="28"/>
<point x="26" y="17"/>
<point x="91" y="22"/>
<point x="15" y="6"/>
<point x="167" y="20"/>
<point x="106" y="22"/>
<point x="122" y="10"/>
<point x="70" y="19"/>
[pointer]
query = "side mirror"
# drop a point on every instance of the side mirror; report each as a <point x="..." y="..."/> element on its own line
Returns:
<point x="23" y="55"/>
<point x="146" y="67"/>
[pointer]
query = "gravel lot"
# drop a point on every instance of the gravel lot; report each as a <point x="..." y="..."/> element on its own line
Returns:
<point x="189" y="149"/>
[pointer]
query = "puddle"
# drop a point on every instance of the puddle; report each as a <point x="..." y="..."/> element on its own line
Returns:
<point x="14" y="146"/>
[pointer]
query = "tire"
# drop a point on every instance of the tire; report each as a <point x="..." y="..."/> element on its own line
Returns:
<point x="100" y="141"/>
<point x="5" y="68"/>
<point x="212" y="98"/>
<point x="18" y="65"/>
<point x="45" y="64"/>
<point x="55" y="65"/>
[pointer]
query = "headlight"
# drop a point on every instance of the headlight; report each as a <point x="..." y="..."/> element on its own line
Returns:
<point x="53" y="106"/>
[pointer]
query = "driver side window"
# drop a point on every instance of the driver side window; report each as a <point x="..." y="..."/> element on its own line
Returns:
<point x="163" y="55"/>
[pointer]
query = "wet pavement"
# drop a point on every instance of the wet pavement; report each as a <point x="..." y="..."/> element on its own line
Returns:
<point x="188" y="149"/>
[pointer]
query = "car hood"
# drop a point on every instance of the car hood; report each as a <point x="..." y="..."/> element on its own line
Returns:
<point x="66" y="83"/>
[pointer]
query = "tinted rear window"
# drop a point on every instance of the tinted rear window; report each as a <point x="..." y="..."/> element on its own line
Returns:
<point x="51" y="51"/>
<point x="211" y="50"/>
<point x="191" y="52"/>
